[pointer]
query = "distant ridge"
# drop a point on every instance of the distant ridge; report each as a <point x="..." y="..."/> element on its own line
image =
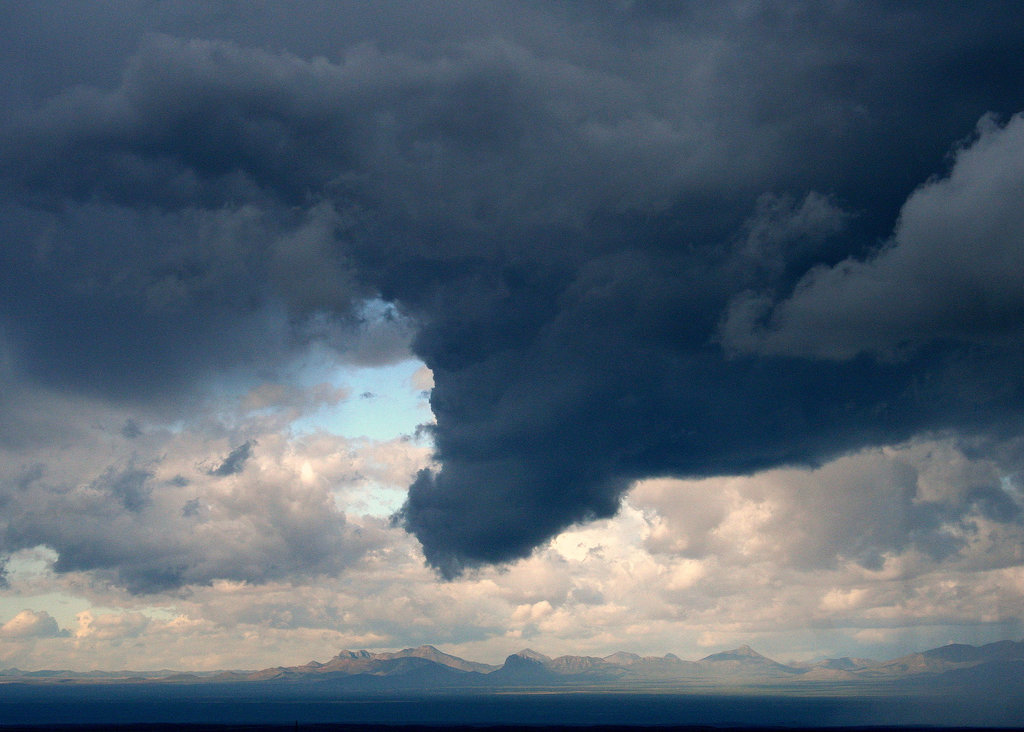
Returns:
<point x="948" y="658"/>
<point x="999" y="664"/>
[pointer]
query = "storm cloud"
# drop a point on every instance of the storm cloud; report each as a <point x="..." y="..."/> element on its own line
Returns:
<point x="952" y="270"/>
<point x="663" y="241"/>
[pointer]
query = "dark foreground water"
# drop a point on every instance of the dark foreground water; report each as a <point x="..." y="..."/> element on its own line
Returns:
<point x="125" y="706"/>
<point x="421" y="728"/>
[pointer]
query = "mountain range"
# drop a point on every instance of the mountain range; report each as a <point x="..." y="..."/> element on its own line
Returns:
<point x="427" y="668"/>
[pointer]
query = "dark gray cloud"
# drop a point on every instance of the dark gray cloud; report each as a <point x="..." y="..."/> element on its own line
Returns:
<point x="129" y="486"/>
<point x="584" y="216"/>
<point x="953" y="270"/>
<point x="235" y="461"/>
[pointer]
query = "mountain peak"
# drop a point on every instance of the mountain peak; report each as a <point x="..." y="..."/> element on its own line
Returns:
<point x="354" y="655"/>
<point x="532" y="655"/>
<point x="431" y="653"/>
<point x="744" y="652"/>
<point x="425" y="651"/>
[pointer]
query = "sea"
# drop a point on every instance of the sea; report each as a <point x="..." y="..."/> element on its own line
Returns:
<point x="154" y="707"/>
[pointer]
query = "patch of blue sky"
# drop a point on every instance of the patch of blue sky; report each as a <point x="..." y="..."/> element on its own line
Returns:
<point x="382" y="402"/>
<point x="63" y="608"/>
<point x="372" y="499"/>
<point x="27" y="567"/>
<point x="23" y="568"/>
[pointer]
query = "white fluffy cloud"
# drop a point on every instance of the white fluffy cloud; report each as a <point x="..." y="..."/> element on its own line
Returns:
<point x="231" y="494"/>
<point x="30" y="624"/>
<point x="846" y="558"/>
<point x="281" y="562"/>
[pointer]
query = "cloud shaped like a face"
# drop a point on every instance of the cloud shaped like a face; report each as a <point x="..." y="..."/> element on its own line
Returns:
<point x="564" y="231"/>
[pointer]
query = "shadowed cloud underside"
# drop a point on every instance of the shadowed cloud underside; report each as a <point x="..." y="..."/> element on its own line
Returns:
<point x="747" y="278"/>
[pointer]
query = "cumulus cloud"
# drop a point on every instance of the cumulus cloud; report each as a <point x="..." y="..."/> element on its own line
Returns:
<point x="565" y="239"/>
<point x="925" y="498"/>
<point x="176" y="522"/>
<point x="31" y="624"/>
<point x="952" y="270"/>
<point x="784" y="234"/>
<point x="109" y="626"/>
<point x="685" y="566"/>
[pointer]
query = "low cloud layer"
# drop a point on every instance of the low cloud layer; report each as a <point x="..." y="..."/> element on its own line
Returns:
<point x="877" y="553"/>
<point x="178" y="513"/>
<point x="629" y="243"/>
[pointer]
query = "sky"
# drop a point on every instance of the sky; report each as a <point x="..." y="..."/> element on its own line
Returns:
<point x="645" y="326"/>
